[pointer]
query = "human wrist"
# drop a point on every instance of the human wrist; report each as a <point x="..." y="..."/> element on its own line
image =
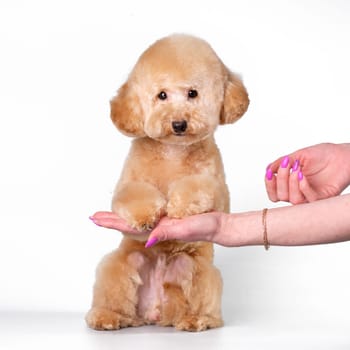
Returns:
<point x="346" y="148"/>
<point x="241" y="229"/>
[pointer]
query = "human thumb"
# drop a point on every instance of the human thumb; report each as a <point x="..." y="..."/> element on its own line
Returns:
<point x="165" y="230"/>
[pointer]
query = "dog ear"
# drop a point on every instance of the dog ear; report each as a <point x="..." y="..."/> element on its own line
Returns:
<point x="236" y="100"/>
<point x="126" y="112"/>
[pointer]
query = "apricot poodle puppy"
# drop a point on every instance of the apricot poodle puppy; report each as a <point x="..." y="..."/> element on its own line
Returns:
<point x="175" y="97"/>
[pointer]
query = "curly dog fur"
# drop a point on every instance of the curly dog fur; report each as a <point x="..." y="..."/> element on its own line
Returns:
<point x="175" y="97"/>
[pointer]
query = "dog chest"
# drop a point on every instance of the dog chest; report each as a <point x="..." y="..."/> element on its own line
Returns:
<point x="160" y="164"/>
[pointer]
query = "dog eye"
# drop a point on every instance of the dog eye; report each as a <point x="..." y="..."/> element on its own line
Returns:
<point x="162" y="95"/>
<point x="192" y="93"/>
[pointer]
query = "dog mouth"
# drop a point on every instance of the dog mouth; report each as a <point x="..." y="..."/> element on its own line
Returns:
<point x="186" y="137"/>
<point x="181" y="130"/>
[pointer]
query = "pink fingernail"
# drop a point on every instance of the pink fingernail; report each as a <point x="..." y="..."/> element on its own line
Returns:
<point x="94" y="221"/>
<point x="151" y="242"/>
<point x="300" y="176"/>
<point x="285" y="162"/>
<point x="269" y="174"/>
<point x="295" y="165"/>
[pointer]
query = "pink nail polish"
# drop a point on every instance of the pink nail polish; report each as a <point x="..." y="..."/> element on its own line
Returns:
<point x="295" y="165"/>
<point x="269" y="174"/>
<point x="285" y="162"/>
<point x="94" y="221"/>
<point x="300" y="176"/>
<point x="151" y="242"/>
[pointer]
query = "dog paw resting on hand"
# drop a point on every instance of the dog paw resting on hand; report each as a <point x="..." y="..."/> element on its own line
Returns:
<point x="195" y="194"/>
<point x="140" y="204"/>
<point x="175" y="97"/>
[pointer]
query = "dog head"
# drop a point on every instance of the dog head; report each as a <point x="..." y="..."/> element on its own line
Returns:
<point x="178" y="93"/>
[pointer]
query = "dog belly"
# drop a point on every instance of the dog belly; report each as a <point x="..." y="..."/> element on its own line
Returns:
<point x="151" y="292"/>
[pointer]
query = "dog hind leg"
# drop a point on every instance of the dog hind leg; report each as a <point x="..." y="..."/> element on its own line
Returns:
<point x="115" y="298"/>
<point x="192" y="295"/>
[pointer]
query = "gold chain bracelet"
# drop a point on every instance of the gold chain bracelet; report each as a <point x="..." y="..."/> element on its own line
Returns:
<point x="265" y="239"/>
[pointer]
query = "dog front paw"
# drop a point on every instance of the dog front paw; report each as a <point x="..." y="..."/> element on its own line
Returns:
<point x="185" y="204"/>
<point x="195" y="194"/>
<point x="140" y="214"/>
<point x="140" y="204"/>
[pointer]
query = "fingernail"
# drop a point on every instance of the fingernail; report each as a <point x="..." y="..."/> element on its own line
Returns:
<point x="285" y="162"/>
<point x="295" y="165"/>
<point x="300" y="176"/>
<point x="94" y="221"/>
<point x="269" y="174"/>
<point x="151" y="242"/>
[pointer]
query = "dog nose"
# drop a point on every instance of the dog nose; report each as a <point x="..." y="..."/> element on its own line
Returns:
<point x="179" y="127"/>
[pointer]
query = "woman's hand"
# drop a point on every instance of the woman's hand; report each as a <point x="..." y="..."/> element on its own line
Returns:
<point x="309" y="174"/>
<point x="201" y="227"/>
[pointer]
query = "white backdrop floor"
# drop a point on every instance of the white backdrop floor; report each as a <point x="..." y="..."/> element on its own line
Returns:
<point x="45" y="330"/>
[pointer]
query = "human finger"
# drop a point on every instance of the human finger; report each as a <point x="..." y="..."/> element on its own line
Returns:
<point x="169" y="229"/>
<point x="309" y="193"/>
<point x="104" y="215"/>
<point x="270" y="184"/>
<point x="113" y="221"/>
<point x="295" y="194"/>
<point x="200" y="227"/>
<point x="282" y="180"/>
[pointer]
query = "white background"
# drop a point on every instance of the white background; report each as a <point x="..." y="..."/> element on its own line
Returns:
<point x="61" y="62"/>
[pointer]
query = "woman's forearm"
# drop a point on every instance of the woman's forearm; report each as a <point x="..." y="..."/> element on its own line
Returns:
<point x="319" y="222"/>
<point x="323" y="221"/>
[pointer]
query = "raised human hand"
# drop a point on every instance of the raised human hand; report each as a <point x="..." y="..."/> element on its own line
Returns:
<point x="312" y="173"/>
